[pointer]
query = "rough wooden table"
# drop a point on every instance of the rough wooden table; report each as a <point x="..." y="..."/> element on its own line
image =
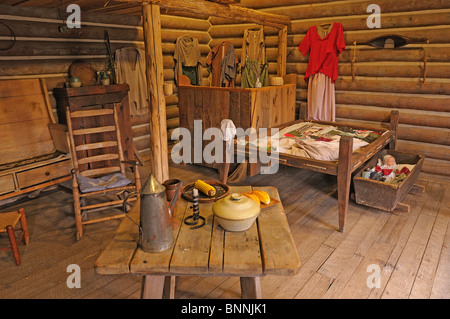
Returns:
<point x="265" y="248"/>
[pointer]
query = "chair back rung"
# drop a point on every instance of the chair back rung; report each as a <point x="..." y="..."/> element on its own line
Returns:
<point x="98" y="158"/>
<point x="94" y="130"/>
<point x="93" y="146"/>
<point x="100" y="171"/>
<point x="87" y="113"/>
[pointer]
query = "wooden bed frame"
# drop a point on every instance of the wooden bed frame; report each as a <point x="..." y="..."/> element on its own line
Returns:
<point x="343" y="168"/>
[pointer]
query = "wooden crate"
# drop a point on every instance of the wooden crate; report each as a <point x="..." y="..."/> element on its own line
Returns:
<point x="264" y="107"/>
<point x="387" y="196"/>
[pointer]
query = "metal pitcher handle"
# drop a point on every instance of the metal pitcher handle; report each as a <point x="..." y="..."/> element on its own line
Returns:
<point x="125" y="209"/>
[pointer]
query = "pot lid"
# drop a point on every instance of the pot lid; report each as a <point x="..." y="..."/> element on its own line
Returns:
<point x="236" y="207"/>
<point x="152" y="186"/>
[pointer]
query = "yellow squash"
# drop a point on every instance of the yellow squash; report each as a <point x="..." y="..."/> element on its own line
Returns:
<point x="252" y="196"/>
<point x="263" y="196"/>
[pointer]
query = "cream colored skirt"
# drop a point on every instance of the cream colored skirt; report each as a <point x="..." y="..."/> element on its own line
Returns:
<point x="321" y="98"/>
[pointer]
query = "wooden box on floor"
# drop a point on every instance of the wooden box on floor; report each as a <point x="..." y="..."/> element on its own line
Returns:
<point x="388" y="196"/>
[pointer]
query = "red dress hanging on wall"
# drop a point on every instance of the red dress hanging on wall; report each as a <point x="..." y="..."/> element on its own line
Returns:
<point x="322" y="70"/>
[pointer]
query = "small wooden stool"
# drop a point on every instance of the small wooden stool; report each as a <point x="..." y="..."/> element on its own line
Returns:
<point x="7" y="223"/>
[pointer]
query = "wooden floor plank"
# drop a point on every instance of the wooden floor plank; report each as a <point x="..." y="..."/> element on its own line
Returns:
<point x="361" y="234"/>
<point x="426" y="274"/>
<point x="402" y="279"/>
<point x="411" y="249"/>
<point x="315" y="288"/>
<point x="441" y="282"/>
<point x="294" y="284"/>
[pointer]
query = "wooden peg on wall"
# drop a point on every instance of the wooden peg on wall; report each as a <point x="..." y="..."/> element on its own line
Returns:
<point x="353" y="61"/>
<point x="425" y="60"/>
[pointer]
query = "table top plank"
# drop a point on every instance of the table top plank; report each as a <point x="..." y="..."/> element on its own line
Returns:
<point x="191" y="251"/>
<point x="116" y="257"/>
<point x="265" y="248"/>
<point x="158" y="263"/>
<point x="241" y="253"/>
<point x="279" y="253"/>
<point x="216" y="252"/>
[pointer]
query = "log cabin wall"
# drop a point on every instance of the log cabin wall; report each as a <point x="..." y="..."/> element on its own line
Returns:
<point x="385" y="79"/>
<point x="41" y="51"/>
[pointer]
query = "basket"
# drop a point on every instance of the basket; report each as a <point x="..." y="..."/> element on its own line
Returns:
<point x="276" y="81"/>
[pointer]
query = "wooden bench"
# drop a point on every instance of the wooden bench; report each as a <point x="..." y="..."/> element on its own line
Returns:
<point x="34" y="151"/>
<point x="266" y="248"/>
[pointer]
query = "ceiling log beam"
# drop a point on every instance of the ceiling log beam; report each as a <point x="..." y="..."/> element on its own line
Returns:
<point x="220" y="10"/>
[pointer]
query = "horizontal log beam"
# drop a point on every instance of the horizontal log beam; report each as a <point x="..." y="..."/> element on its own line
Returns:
<point x="220" y="10"/>
<point x="435" y="151"/>
<point x="353" y="7"/>
<point x="434" y="166"/>
<point x="429" y="102"/>
<point x="384" y="69"/>
<point x="412" y="117"/>
<point x="387" y="84"/>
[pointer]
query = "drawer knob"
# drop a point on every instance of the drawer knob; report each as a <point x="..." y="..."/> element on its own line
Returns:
<point x="47" y="173"/>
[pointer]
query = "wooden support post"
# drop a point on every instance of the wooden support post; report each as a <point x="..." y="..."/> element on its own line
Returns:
<point x="282" y="51"/>
<point x="344" y="176"/>
<point x="155" y="79"/>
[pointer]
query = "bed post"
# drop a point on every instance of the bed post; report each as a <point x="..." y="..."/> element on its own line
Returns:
<point x="224" y="167"/>
<point x="344" y="175"/>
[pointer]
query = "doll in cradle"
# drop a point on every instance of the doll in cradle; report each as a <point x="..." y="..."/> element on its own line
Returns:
<point x="384" y="171"/>
<point x="388" y="168"/>
<point x="389" y="162"/>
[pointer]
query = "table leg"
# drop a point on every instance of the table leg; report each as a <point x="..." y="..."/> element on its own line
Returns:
<point x="250" y="287"/>
<point x="152" y="287"/>
<point x="169" y="287"/>
<point x="344" y="175"/>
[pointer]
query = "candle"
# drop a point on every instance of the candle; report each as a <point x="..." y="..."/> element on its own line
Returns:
<point x="193" y="219"/>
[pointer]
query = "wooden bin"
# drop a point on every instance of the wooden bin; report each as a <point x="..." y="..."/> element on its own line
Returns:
<point x="387" y="196"/>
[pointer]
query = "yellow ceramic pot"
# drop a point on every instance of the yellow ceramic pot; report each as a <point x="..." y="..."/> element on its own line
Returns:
<point x="236" y="212"/>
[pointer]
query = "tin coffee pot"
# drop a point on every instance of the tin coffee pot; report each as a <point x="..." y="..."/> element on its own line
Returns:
<point x="155" y="227"/>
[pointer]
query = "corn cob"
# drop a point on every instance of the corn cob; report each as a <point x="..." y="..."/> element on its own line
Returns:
<point x="205" y="188"/>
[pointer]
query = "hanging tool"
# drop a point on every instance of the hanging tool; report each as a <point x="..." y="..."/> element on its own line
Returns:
<point x="110" y="58"/>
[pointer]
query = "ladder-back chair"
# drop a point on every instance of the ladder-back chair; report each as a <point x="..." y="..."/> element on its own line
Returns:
<point x="98" y="164"/>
